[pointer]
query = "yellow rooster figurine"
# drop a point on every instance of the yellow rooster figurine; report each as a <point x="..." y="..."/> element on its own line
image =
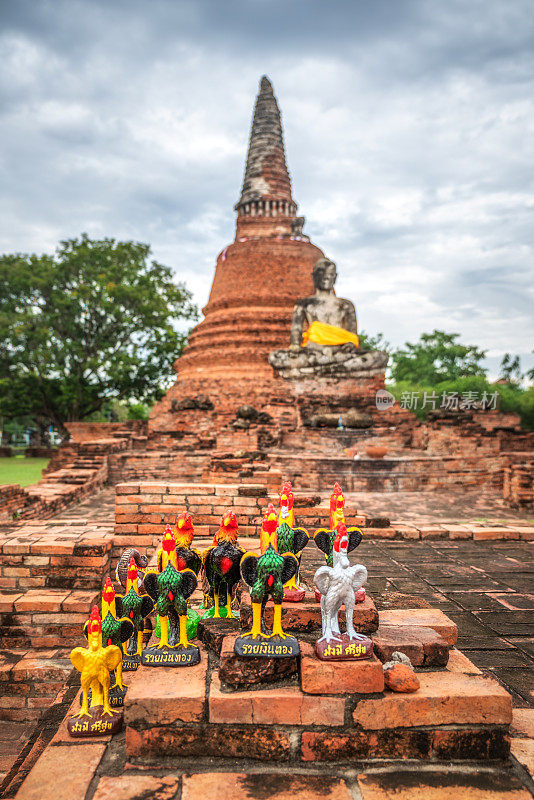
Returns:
<point x="95" y="663"/>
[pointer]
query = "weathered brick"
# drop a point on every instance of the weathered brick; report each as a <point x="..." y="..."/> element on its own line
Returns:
<point x="339" y="677"/>
<point x="444" y="698"/>
<point x="132" y="787"/>
<point x="436" y="784"/>
<point x="421" y="617"/>
<point x="156" y="697"/>
<point x="276" y="706"/>
<point x="208" y="741"/>
<point x="49" y="780"/>
<point x="471" y="744"/>
<point x="241" y="786"/>
<point x="355" y="745"/>
<point x="423" y="646"/>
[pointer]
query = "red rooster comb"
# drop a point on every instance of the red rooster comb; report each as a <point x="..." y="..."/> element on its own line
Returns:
<point x="108" y="592"/>
<point x="132" y="573"/>
<point x="184" y="522"/>
<point x="269" y="511"/>
<point x="341" y="542"/>
<point x="229" y="519"/>
<point x="286" y="495"/>
<point x="336" y="498"/>
<point x="95" y="623"/>
<point x="169" y="542"/>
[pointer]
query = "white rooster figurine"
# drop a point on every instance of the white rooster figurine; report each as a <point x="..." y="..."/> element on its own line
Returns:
<point x="337" y="585"/>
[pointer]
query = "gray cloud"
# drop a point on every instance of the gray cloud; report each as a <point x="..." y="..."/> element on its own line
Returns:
<point x="408" y="132"/>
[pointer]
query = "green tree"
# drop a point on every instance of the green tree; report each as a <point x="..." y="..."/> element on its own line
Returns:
<point x="376" y="342"/>
<point x="510" y="370"/>
<point x="436" y="357"/>
<point x="95" y="322"/>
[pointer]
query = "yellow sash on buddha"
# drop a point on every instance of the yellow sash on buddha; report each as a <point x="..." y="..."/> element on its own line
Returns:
<point x="321" y="333"/>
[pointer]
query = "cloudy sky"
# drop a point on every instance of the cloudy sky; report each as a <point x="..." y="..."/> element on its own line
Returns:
<point x="409" y="128"/>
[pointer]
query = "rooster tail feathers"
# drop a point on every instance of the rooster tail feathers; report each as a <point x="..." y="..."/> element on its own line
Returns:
<point x="290" y="567"/>
<point x="249" y="568"/>
<point x="359" y="576"/>
<point x="322" y="540"/>
<point x="188" y="582"/>
<point x="127" y="629"/>
<point x="322" y="579"/>
<point x="300" y="539"/>
<point x="147" y="605"/>
<point x="151" y="584"/>
<point x="355" y="537"/>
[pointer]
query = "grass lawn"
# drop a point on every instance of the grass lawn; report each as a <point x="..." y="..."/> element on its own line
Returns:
<point x="19" y="469"/>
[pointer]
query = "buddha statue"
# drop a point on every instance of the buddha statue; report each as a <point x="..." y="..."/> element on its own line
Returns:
<point x="323" y="339"/>
<point x="323" y="320"/>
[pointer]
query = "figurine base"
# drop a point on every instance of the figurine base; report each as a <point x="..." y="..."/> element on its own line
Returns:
<point x="266" y="647"/>
<point x="130" y="663"/>
<point x="305" y="617"/>
<point x="171" y="656"/>
<point x="294" y="595"/>
<point x="345" y="649"/>
<point x="223" y="614"/>
<point x="359" y="595"/>
<point x="98" y="724"/>
<point x="116" y="696"/>
<point x="243" y="672"/>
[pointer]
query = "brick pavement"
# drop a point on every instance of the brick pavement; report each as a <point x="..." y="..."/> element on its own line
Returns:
<point x="486" y="587"/>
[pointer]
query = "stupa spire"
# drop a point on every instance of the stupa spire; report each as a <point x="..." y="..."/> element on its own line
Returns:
<point x="266" y="186"/>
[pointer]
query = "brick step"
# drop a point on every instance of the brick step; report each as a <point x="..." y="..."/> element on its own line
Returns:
<point x="145" y="508"/>
<point x="29" y="681"/>
<point x="44" y="618"/>
<point x="55" y="557"/>
<point x="453" y="716"/>
<point x="291" y="782"/>
<point x="306" y="616"/>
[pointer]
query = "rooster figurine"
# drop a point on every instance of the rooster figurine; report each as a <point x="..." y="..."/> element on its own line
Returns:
<point x="324" y="539"/>
<point x="170" y="589"/>
<point x="115" y="629"/>
<point x="291" y="540"/>
<point x="121" y="574"/>
<point x="337" y="585"/>
<point x="186" y="556"/>
<point x="266" y="575"/>
<point x="135" y="607"/>
<point x="221" y="565"/>
<point x="95" y="663"/>
<point x="121" y="570"/>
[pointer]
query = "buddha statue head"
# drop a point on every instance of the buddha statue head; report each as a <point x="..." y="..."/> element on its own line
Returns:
<point x="324" y="275"/>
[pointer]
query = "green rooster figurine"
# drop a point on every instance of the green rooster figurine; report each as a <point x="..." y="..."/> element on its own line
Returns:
<point x="170" y="589"/>
<point x="135" y="607"/>
<point x="266" y="575"/>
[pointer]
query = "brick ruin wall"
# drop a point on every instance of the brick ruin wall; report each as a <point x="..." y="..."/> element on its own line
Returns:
<point x="197" y="437"/>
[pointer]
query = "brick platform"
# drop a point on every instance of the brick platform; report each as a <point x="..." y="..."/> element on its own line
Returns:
<point x="470" y="716"/>
<point x="328" y="712"/>
<point x="306" y="616"/>
<point x="455" y="716"/>
<point x="142" y="509"/>
<point x="433" y="571"/>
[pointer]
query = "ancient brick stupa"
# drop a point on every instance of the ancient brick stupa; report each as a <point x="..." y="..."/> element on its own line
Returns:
<point x="260" y="275"/>
<point x="258" y="279"/>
